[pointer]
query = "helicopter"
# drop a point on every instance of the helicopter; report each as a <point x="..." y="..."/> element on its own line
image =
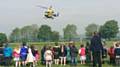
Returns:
<point x="49" y="13"/>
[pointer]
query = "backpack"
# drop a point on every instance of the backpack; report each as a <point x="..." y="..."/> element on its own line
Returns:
<point x="23" y="51"/>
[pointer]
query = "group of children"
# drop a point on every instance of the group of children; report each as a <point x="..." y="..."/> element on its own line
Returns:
<point x="26" y="55"/>
<point x="62" y="54"/>
<point x="21" y="55"/>
<point x="59" y="54"/>
<point x="114" y="54"/>
<point x="68" y="54"/>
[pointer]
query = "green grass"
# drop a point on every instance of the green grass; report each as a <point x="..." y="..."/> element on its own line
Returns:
<point x="39" y="45"/>
<point x="79" y="65"/>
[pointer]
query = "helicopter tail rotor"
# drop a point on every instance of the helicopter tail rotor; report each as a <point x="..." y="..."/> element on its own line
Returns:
<point x="42" y="6"/>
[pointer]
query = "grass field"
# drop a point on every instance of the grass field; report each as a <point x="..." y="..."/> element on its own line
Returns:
<point x="104" y="65"/>
<point x="39" y="45"/>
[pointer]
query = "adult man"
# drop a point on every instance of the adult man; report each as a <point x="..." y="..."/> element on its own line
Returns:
<point x="96" y="49"/>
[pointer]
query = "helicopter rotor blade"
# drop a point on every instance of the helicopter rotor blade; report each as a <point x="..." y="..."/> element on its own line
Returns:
<point x="42" y="7"/>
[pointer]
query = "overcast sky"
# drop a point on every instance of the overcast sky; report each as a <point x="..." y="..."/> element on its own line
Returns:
<point x="18" y="13"/>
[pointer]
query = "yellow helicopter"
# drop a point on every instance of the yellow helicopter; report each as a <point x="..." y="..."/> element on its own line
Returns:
<point x="49" y="13"/>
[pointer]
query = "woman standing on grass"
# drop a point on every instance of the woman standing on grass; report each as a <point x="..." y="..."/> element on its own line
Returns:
<point x="48" y="56"/>
<point x="63" y="54"/>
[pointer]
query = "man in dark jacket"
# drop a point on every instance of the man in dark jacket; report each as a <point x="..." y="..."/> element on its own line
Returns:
<point x="96" y="49"/>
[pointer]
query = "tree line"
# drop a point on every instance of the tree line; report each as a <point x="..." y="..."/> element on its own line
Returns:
<point x="34" y="33"/>
<point x="107" y="31"/>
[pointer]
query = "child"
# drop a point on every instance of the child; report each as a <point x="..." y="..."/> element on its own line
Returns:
<point x="30" y="57"/>
<point x="48" y="57"/>
<point x="63" y="54"/>
<point x="87" y="51"/>
<point x="117" y="54"/>
<point x="7" y="54"/>
<point x="68" y="57"/>
<point x="73" y="54"/>
<point x="56" y="51"/>
<point x="111" y="54"/>
<point x="16" y="55"/>
<point x="37" y="56"/>
<point x="1" y="54"/>
<point x="23" y="54"/>
<point x="82" y="54"/>
<point x="104" y="53"/>
<point x="42" y="55"/>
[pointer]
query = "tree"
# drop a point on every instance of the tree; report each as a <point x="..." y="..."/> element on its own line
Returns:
<point x="55" y="36"/>
<point x="118" y="35"/>
<point x="91" y="28"/>
<point x="109" y="29"/>
<point x="3" y="38"/>
<point x="70" y="32"/>
<point x="34" y="33"/>
<point x="26" y="33"/>
<point x="15" y="35"/>
<point x="29" y="33"/>
<point x="44" y="33"/>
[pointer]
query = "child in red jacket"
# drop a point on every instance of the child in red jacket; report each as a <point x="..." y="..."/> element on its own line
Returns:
<point x="111" y="55"/>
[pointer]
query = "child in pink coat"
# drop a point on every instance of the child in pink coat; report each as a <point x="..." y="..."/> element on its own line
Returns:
<point x="16" y="55"/>
<point x="82" y="54"/>
<point x="37" y="56"/>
